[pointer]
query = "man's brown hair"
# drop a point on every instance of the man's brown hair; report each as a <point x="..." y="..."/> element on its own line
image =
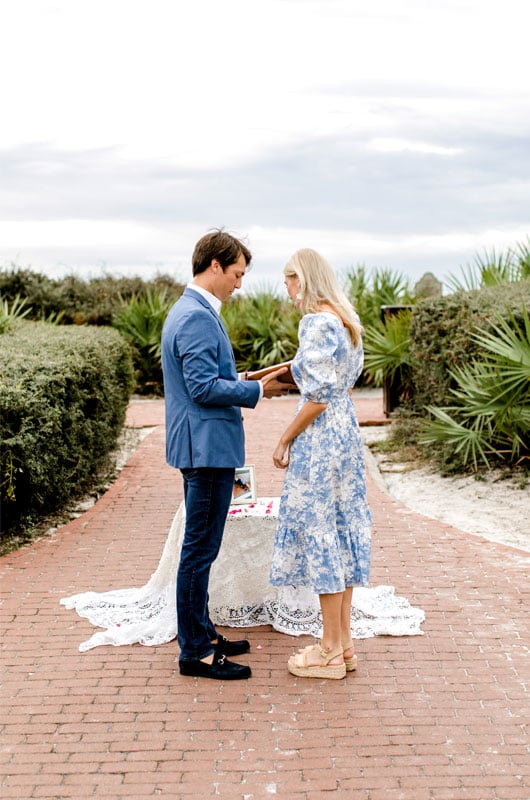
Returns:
<point x="220" y="245"/>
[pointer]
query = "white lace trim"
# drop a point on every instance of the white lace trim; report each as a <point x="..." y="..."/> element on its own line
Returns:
<point x="240" y="595"/>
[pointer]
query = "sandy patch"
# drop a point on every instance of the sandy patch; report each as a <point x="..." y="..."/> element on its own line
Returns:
<point x="494" y="508"/>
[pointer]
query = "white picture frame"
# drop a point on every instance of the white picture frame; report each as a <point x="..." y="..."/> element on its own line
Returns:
<point x="244" y="486"/>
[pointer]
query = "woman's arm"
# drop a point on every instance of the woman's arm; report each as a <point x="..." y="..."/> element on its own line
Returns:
<point x="307" y="414"/>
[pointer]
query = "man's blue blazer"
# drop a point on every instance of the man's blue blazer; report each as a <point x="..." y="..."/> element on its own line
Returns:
<point x="203" y="395"/>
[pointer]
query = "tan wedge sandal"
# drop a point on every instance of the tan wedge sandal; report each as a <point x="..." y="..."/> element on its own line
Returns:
<point x="351" y="661"/>
<point x="298" y="664"/>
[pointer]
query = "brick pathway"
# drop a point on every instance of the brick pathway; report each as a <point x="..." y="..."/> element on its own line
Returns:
<point x="442" y="716"/>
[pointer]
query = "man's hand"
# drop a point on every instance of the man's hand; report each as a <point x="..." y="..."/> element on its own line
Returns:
<point x="272" y="386"/>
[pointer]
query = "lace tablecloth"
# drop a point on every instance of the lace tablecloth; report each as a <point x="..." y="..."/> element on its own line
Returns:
<point x="240" y="593"/>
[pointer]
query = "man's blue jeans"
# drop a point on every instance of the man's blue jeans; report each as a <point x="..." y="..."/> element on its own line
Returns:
<point x="207" y="495"/>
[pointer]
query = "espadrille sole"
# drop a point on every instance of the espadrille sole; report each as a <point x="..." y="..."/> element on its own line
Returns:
<point x="350" y="663"/>
<point x="297" y="664"/>
<point x="334" y="671"/>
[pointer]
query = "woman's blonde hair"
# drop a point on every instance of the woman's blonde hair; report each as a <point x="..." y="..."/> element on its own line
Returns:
<point x="319" y="286"/>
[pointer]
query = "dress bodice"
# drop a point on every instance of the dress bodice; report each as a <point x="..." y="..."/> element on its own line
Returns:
<point x="327" y="364"/>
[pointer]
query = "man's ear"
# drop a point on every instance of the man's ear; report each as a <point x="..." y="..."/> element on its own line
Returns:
<point x="215" y="264"/>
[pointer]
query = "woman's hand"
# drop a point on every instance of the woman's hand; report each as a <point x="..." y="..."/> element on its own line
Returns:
<point x="307" y="414"/>
<point x="280" y="456"/>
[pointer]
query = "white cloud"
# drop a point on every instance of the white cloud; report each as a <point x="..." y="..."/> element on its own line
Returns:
<point x="130" y="127"/>
<point x="401" y="146"/>
<point x="204" y="82"/>
<point x="72" y="233"/>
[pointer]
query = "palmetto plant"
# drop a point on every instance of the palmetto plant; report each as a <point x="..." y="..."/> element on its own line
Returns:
<point x="387" y="352"/>
<point x="17" y="309"/>
<point x="263" y="329"/>
<point x="494" y="268"/>
<point x="370" y="292"/>
<point x="490" y="417"/>
<point x="140" y="320"/>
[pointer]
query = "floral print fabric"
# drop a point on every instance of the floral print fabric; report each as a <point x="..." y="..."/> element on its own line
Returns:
<point x="323" y="535"/>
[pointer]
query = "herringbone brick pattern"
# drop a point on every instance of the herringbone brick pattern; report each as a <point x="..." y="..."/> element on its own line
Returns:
<point x="442" y="716"/>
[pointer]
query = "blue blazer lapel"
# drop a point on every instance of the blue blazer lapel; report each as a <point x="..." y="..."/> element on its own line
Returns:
<point x="189" y="292"/>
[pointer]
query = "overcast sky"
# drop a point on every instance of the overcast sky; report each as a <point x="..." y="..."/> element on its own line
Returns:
<point x="380" y="132"/>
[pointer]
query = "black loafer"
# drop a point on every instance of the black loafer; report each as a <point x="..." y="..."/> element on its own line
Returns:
<point x="221" y="669"/>
<point x="227" y="648"/>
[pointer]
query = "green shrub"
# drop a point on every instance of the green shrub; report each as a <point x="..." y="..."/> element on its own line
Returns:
<point x="488" y="420"/>
<point x="442" y="335"/>
<point x="94" y="301"/>
<point x="63" y="396"/>
<point x="126" y="303"/>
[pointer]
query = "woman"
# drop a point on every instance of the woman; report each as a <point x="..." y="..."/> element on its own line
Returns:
<point x="324" y="524"/>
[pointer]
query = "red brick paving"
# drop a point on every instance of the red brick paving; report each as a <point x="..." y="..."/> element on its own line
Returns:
<point x="442" y="716"/>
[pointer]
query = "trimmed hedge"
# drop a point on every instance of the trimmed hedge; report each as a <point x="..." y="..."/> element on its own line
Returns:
<point x="63" y="396"/>
<point x="440" y="336"/>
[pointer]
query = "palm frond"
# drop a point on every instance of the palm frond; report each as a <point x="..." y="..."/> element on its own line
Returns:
<point x="491" y="415"/>
<point x="370" y="291"/>
<point x="521" y="256"/>
<point x="490" y="269"/>
<point x="509" y="342"/>
<point x="18" y="308"/>
<point x="471" y="441"/>
<point x="263" y="329"/>
<point x="387" y="347"/>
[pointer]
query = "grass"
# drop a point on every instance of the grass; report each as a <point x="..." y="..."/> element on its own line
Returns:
<point x="401" y="443"/>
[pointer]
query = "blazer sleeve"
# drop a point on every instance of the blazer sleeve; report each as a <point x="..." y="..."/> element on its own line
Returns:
<point x="208" y="365"/>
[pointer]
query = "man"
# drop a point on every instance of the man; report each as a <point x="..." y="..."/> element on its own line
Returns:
<point x="205" y="440"/>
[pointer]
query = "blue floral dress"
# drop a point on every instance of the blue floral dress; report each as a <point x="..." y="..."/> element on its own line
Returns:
<point x="323" y="535"/>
